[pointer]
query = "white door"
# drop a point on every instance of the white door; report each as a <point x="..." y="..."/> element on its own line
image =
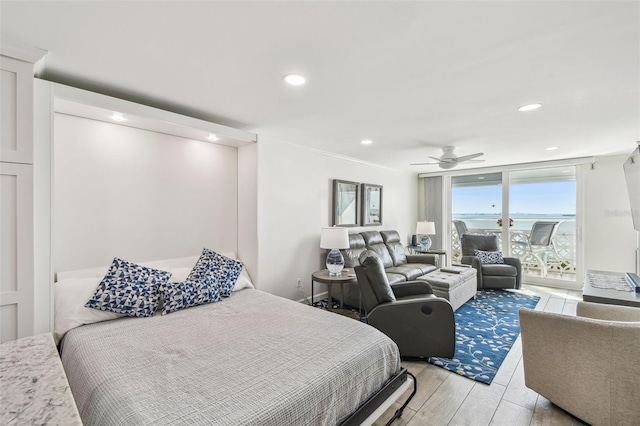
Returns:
<point x="16" y="251"/>
<point x="16" y="111"/>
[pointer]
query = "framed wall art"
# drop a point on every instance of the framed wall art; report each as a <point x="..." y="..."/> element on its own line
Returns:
<point x="371" y="205"/>
<point x="346" y="203"/>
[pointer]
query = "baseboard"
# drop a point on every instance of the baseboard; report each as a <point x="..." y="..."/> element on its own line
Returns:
<point x="317" y="296"/>
<point x="551" y="283"/>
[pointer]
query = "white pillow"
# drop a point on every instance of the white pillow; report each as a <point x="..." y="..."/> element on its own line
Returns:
<point x="244" y="281"/>
<point x="70" y="296"/>
<point x="179" y="275"/>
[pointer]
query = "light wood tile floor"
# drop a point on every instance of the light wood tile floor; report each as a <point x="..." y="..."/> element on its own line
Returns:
<point x="446" y="398"/>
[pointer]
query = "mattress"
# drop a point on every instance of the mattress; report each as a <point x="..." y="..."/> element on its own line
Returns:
<point x="252" y="359"/>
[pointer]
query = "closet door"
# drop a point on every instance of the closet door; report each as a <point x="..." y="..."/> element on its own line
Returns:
<point x="16" y="189"/>
<point x="16" y="251"/>
<point x="16" y="111"/>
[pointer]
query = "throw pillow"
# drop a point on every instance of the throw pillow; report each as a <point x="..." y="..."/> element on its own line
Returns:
<point x="244" y="280"/>
<point x="489" y="257"/>
<point x="212" y="268"/>
<point x="185" y="294"/>
<point x="129" y="289"/>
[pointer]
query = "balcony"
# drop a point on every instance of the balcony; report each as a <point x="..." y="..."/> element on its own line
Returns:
<point x="562" y="267"/>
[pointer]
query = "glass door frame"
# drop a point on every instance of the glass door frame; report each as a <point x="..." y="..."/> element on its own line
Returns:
<point x="447" y="207"/>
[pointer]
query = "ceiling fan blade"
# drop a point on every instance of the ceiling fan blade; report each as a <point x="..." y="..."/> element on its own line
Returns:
<point x="475" y="161"/>
<point x="422" y="164"/>
<point x="439" y="160"/>
<point x="469" y="157"/>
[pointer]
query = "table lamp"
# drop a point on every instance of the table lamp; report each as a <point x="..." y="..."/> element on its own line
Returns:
<point x="425" y="229"/>
<point x="334" y="239"/>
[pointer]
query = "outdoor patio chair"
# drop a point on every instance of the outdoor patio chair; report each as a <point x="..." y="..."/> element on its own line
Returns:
<point x="539" y="244"/>
<point x="461" y="227"/>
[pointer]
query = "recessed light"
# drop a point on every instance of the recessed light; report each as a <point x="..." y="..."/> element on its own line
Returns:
<point x="529" y="107"/>
<point x="295" y="79"/>
<point x="212" y="137"/>
<point x="366" y="142"/>
<point x="481" y="177"/>
<point x="117" y="116"/>
<point x="551" y="148"/>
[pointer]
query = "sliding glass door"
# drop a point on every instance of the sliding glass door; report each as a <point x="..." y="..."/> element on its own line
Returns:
<point x="476" y="207"/>
<point x="539" y="222"/>
<point x="542" y="204"/>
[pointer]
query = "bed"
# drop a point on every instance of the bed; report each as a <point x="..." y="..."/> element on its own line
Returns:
<point x="251" y="359"/>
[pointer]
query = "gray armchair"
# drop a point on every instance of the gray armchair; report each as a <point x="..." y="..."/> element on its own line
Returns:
<point x="507" y="275"/>
<point x="420" y="323"/>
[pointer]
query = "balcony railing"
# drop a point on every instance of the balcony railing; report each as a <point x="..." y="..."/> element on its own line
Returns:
<point x="564" y="242"/>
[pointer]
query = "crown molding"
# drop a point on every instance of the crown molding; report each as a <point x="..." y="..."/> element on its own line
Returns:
<point x="21" y="51"/>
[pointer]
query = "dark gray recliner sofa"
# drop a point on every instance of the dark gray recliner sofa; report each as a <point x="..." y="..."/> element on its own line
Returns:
<point x="399" y="267"/>
<point x="496" y="276"/>
<point x="420" y="323"/>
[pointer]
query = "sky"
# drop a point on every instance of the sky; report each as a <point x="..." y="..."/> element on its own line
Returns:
<point x="525" y="198"/>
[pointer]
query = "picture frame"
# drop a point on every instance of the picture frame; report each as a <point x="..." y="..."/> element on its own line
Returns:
<point x="346" y="203"/>
<point x="371" y="205"/>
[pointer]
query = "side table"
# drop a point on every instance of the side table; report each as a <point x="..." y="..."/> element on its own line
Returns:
<point x="322" y="276"/>
<point x="439" y="252"/>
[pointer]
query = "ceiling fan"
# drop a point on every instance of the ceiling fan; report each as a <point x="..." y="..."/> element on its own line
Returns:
<point x="449" y="160"/>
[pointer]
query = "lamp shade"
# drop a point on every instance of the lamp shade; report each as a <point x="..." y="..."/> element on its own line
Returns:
<point x="426" y="228"/>
<point x="334" y="238"/>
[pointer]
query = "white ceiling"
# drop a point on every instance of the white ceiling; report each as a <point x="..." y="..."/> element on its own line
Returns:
<point x="411" y="76"/>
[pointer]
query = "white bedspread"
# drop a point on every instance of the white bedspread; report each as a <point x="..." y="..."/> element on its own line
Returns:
<point x="252" y="359"/>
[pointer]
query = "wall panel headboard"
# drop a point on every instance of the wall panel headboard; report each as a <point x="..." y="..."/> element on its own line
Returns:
<point x="137" y="194"/>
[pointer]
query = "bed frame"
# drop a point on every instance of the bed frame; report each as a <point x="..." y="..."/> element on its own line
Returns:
<point x="365" y="415"/>
<point x="378" y="403"/>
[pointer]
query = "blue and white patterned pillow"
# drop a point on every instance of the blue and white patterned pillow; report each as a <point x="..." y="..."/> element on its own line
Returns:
<point x="489" y="257"/>
<point x="221" y="269"/>
<point x="129" y="289"/>
<point x="185" y="294"/>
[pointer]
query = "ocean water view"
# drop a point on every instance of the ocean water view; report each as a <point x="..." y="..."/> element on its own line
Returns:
<point x="521" y="221"/>
<point x="541" y="195"/>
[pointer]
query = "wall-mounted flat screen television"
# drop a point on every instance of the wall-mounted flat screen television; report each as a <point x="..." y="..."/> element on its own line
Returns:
<point x="632" y="175"/>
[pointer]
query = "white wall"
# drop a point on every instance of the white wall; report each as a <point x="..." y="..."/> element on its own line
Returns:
<point x="139" y="195"/>
<point x="248" y="208"/>
<point x="609" y="237"/>
<point x="294" y="203"/>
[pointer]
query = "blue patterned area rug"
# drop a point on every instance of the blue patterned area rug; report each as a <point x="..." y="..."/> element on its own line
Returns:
<point x="486" y="329"/>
